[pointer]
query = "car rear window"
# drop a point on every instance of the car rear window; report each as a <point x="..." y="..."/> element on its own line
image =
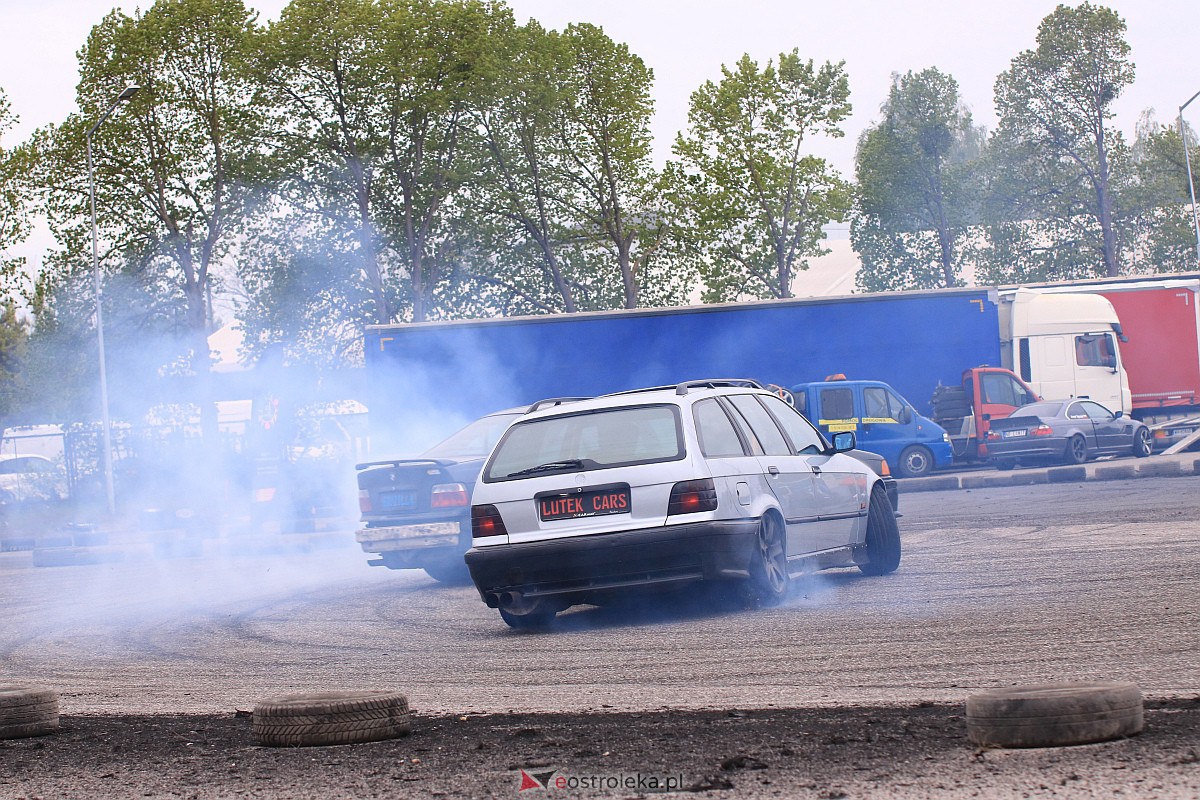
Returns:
<point x="594" y="439"/>
<point x="1038" y="410"/>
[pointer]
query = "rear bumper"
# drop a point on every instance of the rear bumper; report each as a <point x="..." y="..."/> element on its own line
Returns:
<point x="1027" y="449"/>
<point x="891" y="487"/>
<point x="607" y="562"/>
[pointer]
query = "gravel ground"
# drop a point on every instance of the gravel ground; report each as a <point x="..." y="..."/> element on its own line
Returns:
<point x="853" y="689"/>
<point x="852" y="752"/>
<point x="844" y="752"/>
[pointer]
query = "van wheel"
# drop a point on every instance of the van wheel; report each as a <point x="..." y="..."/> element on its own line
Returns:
<point x="769" y="577"/>
<point x="883" y="537"/>
<point x="915" y="462"/>
<point x="1077" y="451"/>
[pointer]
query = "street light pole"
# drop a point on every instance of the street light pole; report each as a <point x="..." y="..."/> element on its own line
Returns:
<point x="109" y="495"/>
<point x="1187" y="158"/>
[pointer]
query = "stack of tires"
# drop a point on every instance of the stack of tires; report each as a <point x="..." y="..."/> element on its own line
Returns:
<point x="27" y="711"/>
<point x="950" y="402"/>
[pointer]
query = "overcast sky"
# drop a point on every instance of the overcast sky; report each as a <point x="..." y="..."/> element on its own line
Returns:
<point x="685" y="42"/>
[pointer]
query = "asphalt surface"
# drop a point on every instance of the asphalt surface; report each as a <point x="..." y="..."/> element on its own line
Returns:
<point x="1000" y="585"/>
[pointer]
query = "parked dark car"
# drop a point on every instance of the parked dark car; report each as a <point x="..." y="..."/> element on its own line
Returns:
<point x="1067" y="431"/>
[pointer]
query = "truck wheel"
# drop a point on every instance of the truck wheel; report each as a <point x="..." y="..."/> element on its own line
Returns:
<point x="769" y="579"/>
<point x="1142" y="446"/>
<point x="883" y="537"/>
<point x="1004" y="464"/>
<point x="915" y="462"/>
<point x="1053" y="715"/>
<point x="1077" y="450"/>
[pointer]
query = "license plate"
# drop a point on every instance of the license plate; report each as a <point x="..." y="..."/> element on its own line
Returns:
<point x="1013" y="434"/>
<point x="588" y="503"/>
<point x="397" y="501"/>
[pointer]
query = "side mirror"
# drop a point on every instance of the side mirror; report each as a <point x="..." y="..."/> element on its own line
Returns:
<point x="906" y="415"/>
<point x="1119" y="414"/>
<point x="844" y="441"/>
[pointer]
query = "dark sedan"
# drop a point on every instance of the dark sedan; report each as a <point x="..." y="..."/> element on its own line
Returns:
<point x="1068" y="431"/>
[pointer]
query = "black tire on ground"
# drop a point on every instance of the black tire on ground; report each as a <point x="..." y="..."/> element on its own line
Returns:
<point x="769" y="579"/>
<point x="27" y="711"/>
<point x="1142" y="444"/>
<point x="883" y="536"/>
<point x="1004" y="464"/>
<point x="330" y="718"/>
<point x="1076" y="451"/>
<point x="915" y="462"/>
<point x="449" y="572"/>
<point x="536" y="620"/>
<point x="1053" y="715"/>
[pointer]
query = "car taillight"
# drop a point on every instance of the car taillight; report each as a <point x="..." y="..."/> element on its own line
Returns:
<point x="449" y="495"/>
<point x="1042" y="430"/>
<point x="993" y="435"/>
<point x="486" y="521"/>
<point x="1161" y="435"/>
<point x="364" y="501"/>
<point x="688" y="497"/>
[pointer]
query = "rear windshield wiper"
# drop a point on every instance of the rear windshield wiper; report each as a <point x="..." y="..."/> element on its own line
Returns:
<point x="568" y="463"/>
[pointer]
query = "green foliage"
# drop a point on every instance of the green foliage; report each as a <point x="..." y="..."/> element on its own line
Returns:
<point x="756" y="202"/>
<point x="14" y="216"/>
<point x="365" y="102"/>
<point x="1158" y="201"/>
<point x="1056" y="160"/>
<point x="917" y="186"/>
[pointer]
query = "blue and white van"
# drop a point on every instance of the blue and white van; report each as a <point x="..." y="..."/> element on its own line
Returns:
<point x="883" y="422"/>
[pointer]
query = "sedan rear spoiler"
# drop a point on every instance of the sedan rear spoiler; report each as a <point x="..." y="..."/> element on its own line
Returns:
<point x="399" y="462"/>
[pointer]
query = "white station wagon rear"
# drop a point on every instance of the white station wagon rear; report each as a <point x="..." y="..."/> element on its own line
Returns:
<point x="706" y="481"/>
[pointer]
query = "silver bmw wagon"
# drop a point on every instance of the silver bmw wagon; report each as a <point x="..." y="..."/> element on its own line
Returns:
<point x="716" y="480"/>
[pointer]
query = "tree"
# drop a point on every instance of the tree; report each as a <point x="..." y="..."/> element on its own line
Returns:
<point x="14" y="218"/>
<point x="1058" y="161"/>
<point x="606" y="138"/>
<point x="759" y="201"/>
<point x="365" y="100"/>
<point x="14" y="344"/>
<point x="1159" y="199"/>
<point x="916" y="194"/>
<point x="170" y="173"/>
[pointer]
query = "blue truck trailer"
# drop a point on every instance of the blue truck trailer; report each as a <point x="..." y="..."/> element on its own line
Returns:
<point x="913" y="341"/>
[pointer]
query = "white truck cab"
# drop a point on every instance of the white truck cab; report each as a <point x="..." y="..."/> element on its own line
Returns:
<point x="1065" y="345"/>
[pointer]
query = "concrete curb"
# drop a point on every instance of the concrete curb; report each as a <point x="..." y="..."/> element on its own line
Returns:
<point x="1180" y="465"/>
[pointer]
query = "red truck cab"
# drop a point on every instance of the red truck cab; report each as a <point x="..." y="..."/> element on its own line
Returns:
<point x="966" y="411"/>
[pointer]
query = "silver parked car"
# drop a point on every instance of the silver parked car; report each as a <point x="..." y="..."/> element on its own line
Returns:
<point x="705" y="481"/>
<point x="1069" y="431"/>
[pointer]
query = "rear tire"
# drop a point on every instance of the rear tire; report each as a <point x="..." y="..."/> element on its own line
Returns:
<point x="449" y="572"/>
<point x="1077" y="450"/>
<point x="1142" y="445"/>
<point x="883" y="537"/>
<point x="915" y="462"/>
<point x="769" y="579"/>
<point x="536" y="620"/>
